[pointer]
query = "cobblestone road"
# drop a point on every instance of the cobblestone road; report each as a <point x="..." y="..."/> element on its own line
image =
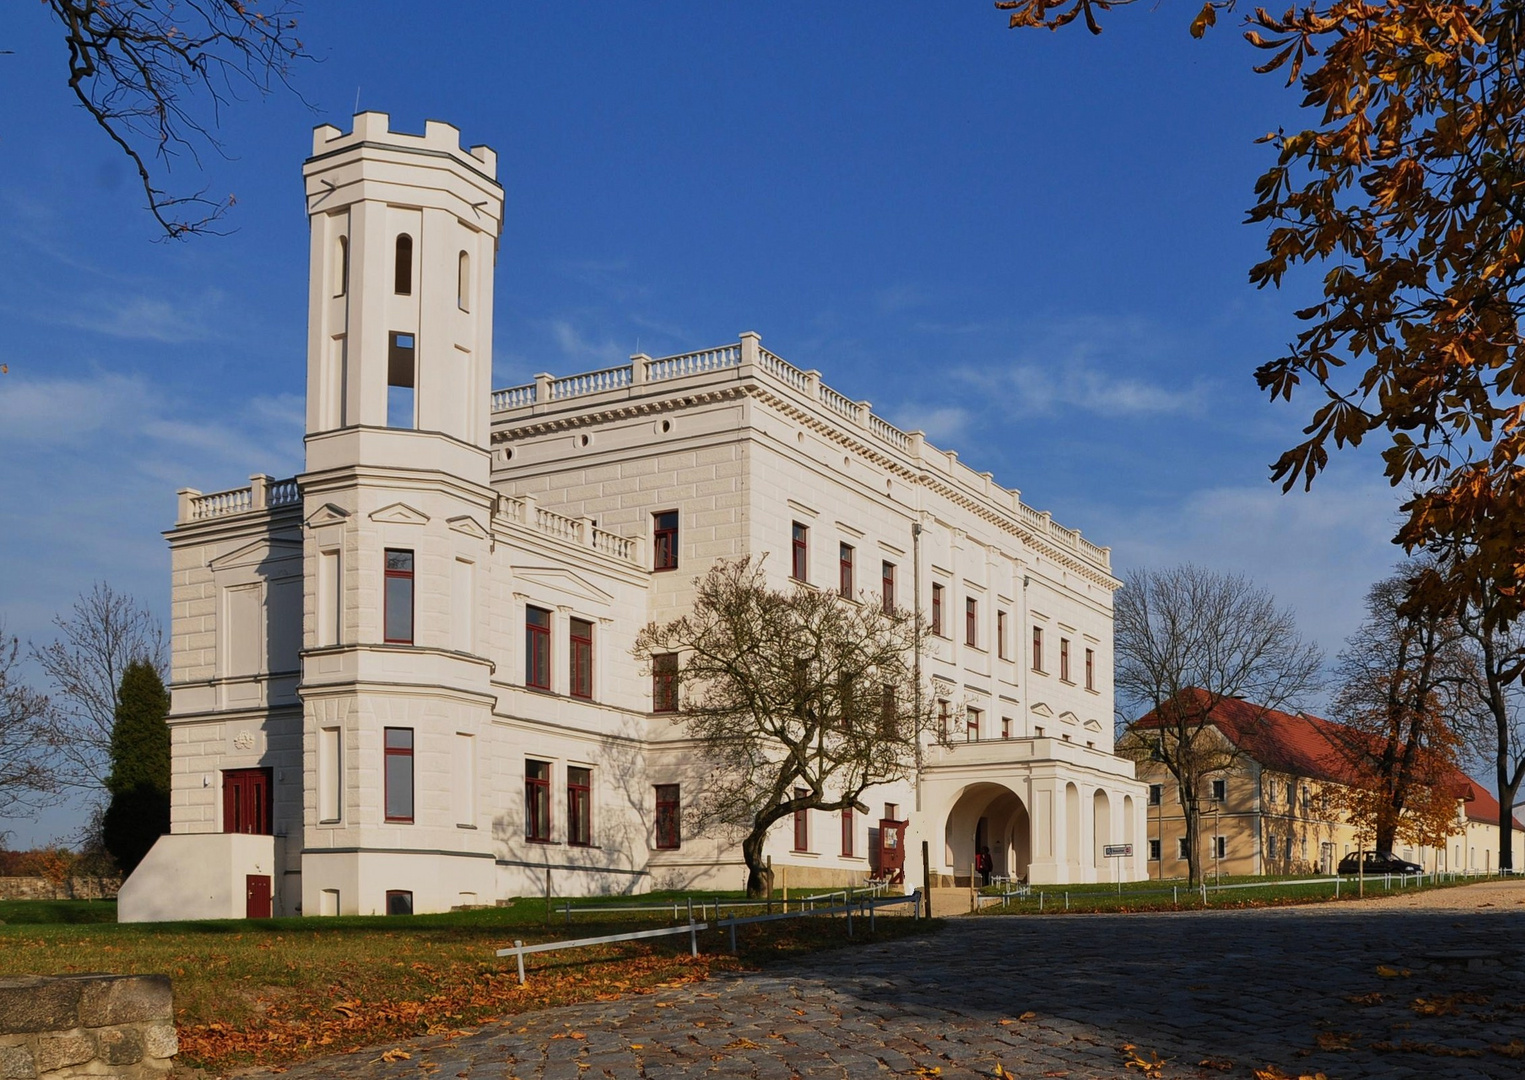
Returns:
<point x="1058" y="996"/>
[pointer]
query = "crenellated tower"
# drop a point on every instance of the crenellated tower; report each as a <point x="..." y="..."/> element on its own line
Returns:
<point x="397" y="516"/>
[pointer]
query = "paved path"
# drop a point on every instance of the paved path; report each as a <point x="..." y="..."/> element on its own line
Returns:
<point x="1057" y="996"/>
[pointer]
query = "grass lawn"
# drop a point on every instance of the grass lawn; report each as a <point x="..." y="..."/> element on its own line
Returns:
<point x="1243" y="891"/>
<point x="273" y="991"/>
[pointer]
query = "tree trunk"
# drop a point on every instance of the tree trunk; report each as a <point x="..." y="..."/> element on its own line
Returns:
<point x="1386" y="834"/>
<point x="759" y="875"/>
<point x="1193" y="819"/>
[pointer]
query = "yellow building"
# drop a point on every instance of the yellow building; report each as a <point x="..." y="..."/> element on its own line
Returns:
<point x="1272" y="810"/>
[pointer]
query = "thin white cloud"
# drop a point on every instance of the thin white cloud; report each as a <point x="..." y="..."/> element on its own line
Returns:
<point x="63" y="410"/>
<point x="583" y="351"/>
<point x="1025" y="389"/>
<point x="144" y="319"/>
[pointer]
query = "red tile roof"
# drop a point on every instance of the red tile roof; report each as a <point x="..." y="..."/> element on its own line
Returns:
<point x="1311" y="746"/>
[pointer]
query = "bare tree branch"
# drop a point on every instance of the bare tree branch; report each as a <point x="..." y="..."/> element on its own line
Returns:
<point x="155" y="75"/>
<point x="105" y="632"/>
<point x="1188" y="639"/>
<point x="27" y="778"/>
<point x="798" y="700"/>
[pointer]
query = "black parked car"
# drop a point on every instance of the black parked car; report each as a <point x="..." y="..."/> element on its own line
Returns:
<point x="1377" y="862"/>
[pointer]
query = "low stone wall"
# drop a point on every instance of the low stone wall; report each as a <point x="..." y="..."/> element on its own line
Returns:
<point x="40" y="888"/>
<point x="54" y="1027"/>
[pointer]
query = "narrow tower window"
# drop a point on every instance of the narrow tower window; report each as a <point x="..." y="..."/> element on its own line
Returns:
<point x="402" y="368"/>
<point x="341" y="267"/>
<point x="463" y="282"/>
<point x="403" y="277"/>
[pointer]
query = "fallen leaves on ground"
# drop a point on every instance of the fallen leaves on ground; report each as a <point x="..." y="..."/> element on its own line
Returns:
<point x="1274" y="1072"/>
<point x="1373" y="998"/>
<point x="1028" y="1015"/>
<point x="1392" y="972"/>
<point x="396" y="1054"/>
<point x="1513" y="1048"/>
<point x="1000" y="1073"/>
<point x="1335" y="1040"/>
<point x="1152" y="1066"/>
<point x="1220" y="1064"/>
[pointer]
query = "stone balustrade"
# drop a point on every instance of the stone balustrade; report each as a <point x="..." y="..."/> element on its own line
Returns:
<point x="263" y="493"/>
<point x="57" y="1027"/>
<point x="749" y="354"/>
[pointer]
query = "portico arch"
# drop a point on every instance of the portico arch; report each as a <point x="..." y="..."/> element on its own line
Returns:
<point x="991" y="815"/>
<point x="1101" y="828"/>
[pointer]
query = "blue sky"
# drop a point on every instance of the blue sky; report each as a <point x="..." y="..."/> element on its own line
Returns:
<point x="1028" y="244"/>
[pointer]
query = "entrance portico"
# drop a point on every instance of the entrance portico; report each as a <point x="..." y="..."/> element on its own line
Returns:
<point x="1046" y="808"/>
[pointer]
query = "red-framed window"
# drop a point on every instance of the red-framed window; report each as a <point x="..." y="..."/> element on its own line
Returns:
<point x="971" y="621"/>
<point x="1090" y="669"/>
<point x="801" y="824"/>
<point x="397" y="616"/>
<point x="664" y="540"/>
<point x="972" y="719"/>
<point x="1064" y="659"/>
<point x="937" y="609"/>
<point x="399" y="901"/>
<point x="669" y="818"/>
<point x="1000" y="634"/>
<point x="845" y="570"/>
<point x="849" y="832"/>
<point x="580" y="638"/>
<point x="1005" y="727"/>
<point x="537" y="648"/>
<point x="537" y="801"/>
<point x="579" y="806"/>
<point x="664" y="682"/>
<point x="887" y="586"/>
<point x="799" y="547"/>
<point x="1037" y="648"/>
<point x="398" y="754"/>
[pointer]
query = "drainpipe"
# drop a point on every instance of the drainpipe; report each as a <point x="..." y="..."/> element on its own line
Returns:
<point x="916" y="660"/>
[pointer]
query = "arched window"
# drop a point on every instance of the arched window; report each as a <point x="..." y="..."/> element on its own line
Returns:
<point x="463" y="283"/>
<point x="341" y="266"/>
<point x="404" y="274"/>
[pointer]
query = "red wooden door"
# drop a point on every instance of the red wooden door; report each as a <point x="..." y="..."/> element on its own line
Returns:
<point x="892" y="850"/>
<point x="246" y="802"/>
<point x="257" y="896"/>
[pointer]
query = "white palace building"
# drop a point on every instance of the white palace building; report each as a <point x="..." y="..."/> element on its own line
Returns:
<point x="403" y="680"/>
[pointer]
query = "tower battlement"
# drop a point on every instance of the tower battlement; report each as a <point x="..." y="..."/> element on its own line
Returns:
<point x="376" y="127"/>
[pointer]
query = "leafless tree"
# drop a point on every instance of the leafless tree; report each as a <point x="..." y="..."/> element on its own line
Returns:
<point x="105" y="631"/>
<point x="797" y="699"/>
<point x="1188" y="639"/>
<point x="27" y="779"/>
<point x="1494" y="728"/>
<point x="156" y="74"/>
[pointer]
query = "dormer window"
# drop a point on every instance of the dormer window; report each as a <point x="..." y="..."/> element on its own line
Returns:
<point x="403" y="276"/>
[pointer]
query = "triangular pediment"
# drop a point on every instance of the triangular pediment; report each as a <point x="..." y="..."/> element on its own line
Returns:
<point x="1041" y="709"/>
<point x="1092" y="725"/>
<point x="400" y="514"/>
<point x="258" y="553"/>
<point x="468" y="525"/>
<point x="327" y="514"/>
<point x="1069" y="717"/>
<point x="560" y="580"/>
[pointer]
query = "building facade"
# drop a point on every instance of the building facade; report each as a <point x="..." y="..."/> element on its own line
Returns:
<point x="1275" y="809"/>
<point x="404" y="679"/>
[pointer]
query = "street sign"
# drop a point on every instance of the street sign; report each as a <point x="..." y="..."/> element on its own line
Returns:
<point x="1117" y="851"/>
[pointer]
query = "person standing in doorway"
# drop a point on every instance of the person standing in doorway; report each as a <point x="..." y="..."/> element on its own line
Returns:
<point x="984" y="864"/>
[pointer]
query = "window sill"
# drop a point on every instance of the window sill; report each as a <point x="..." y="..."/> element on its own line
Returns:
<point x="459" y="825"/>
<point x="586" y="847"/>
<point x="398" y="821"/>
<point x="540" y="840"/>
<point x="664" y="569"/>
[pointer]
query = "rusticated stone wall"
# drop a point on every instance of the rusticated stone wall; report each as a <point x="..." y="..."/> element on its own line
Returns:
<point x="55" y="1027"/>
<point x="40" y="888"/>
